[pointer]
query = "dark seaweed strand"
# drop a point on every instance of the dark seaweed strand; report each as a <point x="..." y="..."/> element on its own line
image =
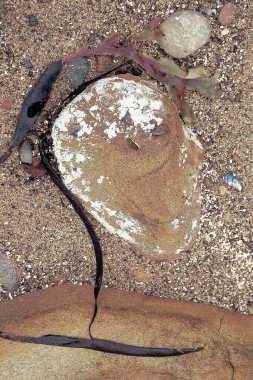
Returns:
<point x="35" y="101"/>
<point x="82" y="213"/>
<point x="33" y="104"/>
<point x="101" y="345"/>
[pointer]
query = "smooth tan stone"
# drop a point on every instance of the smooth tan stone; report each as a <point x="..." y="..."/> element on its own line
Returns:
<point x="122" y="149"/>
<point x="128" y="318"/>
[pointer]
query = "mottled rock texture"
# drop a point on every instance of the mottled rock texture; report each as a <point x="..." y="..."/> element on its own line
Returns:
<point x="183" y="32"/>
<point x="127" y="318"/>
<point x="122" y="148"/>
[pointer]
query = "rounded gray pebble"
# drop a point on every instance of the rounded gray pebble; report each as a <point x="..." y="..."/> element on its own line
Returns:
<point x="8" y="277"/>
<point x="25" y="152"/>
<point x="184" y="32"/>
<point x="77" y="71"/>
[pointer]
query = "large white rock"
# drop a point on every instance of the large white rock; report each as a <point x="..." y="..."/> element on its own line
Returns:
<point x="122" y="149"/>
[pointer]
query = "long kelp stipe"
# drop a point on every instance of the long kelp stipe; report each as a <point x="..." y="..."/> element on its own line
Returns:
<point x="82" y="213"/>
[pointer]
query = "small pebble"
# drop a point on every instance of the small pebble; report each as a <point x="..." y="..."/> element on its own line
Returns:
<point x="25" y="152"/>
<point x="29" y="181"/>
<point x="183" y="32"/>
<point x="227" y="14"/>
<point x="7" y="104"/>
<point x="41" y="195"/>
<point x="77" y="71"/>
<point x="235" y="157"/>
<point x="231" y="180"/>
<point x="222" y="190"/>
<point x="209" y="184"/>
<point x="210" y="12"/>
<point x="33" y="21"/>
<point x="250" y="307"/>
<point x="227" y="217"/>
<point x="225" y="32"/>
<point x="141" y="276"/>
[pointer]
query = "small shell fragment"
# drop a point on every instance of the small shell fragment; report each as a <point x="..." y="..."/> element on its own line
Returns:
<point x="25" y="152"/>
<point x="132" y="144"/>
<point x="231" y="180"/>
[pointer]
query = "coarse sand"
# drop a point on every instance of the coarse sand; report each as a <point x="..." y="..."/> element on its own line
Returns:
<point x="39" y="231"/>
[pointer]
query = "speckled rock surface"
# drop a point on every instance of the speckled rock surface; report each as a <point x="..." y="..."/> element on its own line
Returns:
<point x="184" y="32"/>
<point x="122" y="148"/>
<point x="126" y="318"/>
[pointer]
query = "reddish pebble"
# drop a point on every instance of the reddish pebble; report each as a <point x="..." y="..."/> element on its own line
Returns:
<point x="227" y="14"/>
<point x="7" y="104"/>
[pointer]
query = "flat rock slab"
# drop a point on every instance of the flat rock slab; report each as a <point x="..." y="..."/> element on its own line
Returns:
<point x="127" y="318"/>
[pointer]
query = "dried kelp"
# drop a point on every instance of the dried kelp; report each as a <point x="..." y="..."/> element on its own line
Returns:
<point x="165" y="71"/>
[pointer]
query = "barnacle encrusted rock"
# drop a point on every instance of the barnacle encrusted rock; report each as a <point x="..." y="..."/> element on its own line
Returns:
<point x="123" y="150"/>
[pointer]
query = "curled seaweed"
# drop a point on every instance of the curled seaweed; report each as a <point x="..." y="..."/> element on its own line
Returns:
<point x="166" y="71"/>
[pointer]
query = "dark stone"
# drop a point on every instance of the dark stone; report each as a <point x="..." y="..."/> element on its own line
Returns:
<point x="33" y="21"/>
<point x="29" y="181"/>
<point x="77" y="71"/>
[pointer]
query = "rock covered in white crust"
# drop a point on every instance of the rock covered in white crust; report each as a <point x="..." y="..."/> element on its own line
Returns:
<point x="183" y="32"/>
<point x="122" y="149"/>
